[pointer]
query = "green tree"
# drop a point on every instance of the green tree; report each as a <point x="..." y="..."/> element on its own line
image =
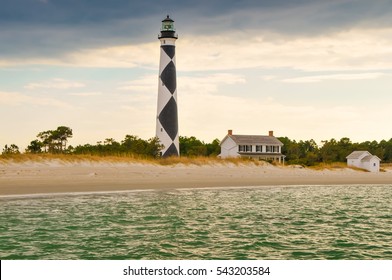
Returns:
<point x="343" y="149"/>
<point x="190" y="146"/>
<point x="387" y="150"/>
<point x="328" y="152"/>
<point x="35" y="147"/>
<point x="291" y="150"/>
<point x="11" y="149"/>
<point x="61" y="135"/>
<point x="153" y="147"/>
<point x="131" y="145"/>
<point x="46" y="140"/>
<point x="55" y="141"/>
<point x="135" y="145"/>
<point x="213" y="148"/>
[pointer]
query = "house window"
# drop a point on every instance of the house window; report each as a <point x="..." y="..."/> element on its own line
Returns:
<point x="244" y="148"/>
<point x="259" y="148"/>
<point x="272" y="149"/>
<point x="268" y="149"/>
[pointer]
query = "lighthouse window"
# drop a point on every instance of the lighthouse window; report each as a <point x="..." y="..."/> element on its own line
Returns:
<point x="164" y="41"/>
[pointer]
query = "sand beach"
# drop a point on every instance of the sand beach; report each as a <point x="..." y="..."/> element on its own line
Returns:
<point x="58" y="176"/>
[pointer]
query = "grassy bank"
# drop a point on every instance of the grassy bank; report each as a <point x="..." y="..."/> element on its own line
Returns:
<point x="69" y="158"/>
<point x="199" y="161"/>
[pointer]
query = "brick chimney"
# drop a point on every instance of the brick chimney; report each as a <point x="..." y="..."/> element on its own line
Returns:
<point x="271" y="133"/>
<point x="230" y="132"/>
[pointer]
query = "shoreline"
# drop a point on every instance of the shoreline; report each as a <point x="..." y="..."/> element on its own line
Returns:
<point x="56" y="176"/>
<point x="109" y="192"/>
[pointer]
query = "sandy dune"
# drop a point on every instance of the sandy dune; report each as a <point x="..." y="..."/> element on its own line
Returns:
<point x="54" y="176"/>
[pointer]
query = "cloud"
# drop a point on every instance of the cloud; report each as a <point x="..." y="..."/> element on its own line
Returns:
<point x="148" y="83"/>
<point x="349" y="50"/>
<point x="72" y="26"/>
<point x="16" y="99"/>
<point x="145" y="55"/>
<point x="351" y="39"/>
<point x="231" y="12"/>
<point x="201" y="83"/>
<point x="204" y="115"/>
<point x="205" y="111"/>
<point x="85" y="94"/>
<point x="55" y="84"/>
<point x="336" y="77"/>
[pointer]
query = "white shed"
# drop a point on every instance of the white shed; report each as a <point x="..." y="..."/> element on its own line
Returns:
<point x="365" y="160"/>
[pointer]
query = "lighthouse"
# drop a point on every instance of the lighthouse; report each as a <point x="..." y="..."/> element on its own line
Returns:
<point x="167" y="113"/>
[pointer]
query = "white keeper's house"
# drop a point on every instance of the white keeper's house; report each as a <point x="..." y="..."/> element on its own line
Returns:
<point x="365" y="160"/>
<point x="259" y="147"/>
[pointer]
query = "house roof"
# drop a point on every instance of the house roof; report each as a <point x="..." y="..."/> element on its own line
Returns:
<point x="357" y="154"/>
<point x="255" y="140"/>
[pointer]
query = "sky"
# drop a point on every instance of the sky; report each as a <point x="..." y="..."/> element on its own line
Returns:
<point x="306" y="69"/>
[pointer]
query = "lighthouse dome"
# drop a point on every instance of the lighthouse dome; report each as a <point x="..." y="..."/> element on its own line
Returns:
<point x="167" y="29"/>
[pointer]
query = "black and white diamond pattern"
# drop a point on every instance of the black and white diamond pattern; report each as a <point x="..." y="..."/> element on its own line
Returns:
<point x="167" y="118"/>
<point x="168" y="77"/>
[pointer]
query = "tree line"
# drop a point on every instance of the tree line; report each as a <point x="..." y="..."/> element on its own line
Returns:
<point x="296" y="152"/>
<point x="309" y="153"/>
<point x="131" y="145"/>
<point x="55" y="142"/>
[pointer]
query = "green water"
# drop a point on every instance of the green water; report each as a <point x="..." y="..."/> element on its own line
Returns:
<point x="313" y="222"/>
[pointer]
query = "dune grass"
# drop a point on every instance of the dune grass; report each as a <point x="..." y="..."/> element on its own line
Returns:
<point x="129" y="158"/>
<point x="334" y="166"/>
<point x="341" y="165"/>
<point x="207" y="161"/>
<point x="21" y="158"/>
<point x="69" y="158"/>
<point x="385" y="166"/>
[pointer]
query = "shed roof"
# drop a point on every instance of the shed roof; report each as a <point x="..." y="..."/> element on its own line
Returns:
<point x="357" y="154"/>
<point x="255" y="140"/>
<point x="368" y="158"/>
